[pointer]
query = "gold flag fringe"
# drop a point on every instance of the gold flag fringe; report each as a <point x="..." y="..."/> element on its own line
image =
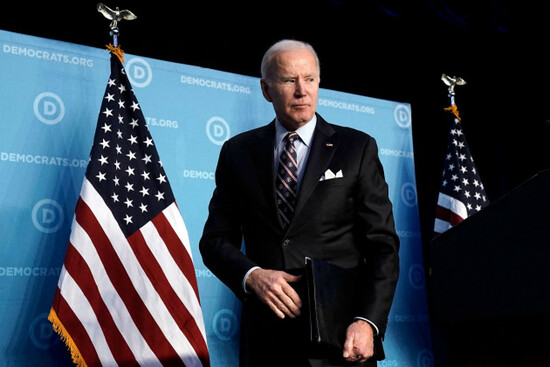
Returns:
<point x="117" y="51"/>
<point x="454" y="111"/>
<point x="60" y="329"/>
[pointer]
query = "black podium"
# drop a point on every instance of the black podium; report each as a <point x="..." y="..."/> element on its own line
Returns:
<point x="489" y="281"/>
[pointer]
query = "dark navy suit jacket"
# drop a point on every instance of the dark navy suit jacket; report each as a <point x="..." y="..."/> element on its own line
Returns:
<point x="346" y="220"/>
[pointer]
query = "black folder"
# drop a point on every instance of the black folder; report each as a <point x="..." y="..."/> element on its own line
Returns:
<point x="330" y="296"/>
<point x="332" y="292"/>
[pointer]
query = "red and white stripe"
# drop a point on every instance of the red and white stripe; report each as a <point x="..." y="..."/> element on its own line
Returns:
<point x="130" y="301"/>
<point x="449" y="212"/>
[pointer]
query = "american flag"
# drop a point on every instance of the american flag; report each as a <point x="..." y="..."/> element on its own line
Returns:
<point x="461" y="194"/>
<point x="127" y="293"/>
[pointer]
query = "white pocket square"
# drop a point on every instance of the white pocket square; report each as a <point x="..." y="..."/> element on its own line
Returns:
<point x="329" y="175"/>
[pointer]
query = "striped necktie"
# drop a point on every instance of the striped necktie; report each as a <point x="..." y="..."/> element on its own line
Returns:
<point x="286" y="183"/>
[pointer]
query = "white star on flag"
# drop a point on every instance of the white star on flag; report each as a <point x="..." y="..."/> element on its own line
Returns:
<point x="108" y="112"/>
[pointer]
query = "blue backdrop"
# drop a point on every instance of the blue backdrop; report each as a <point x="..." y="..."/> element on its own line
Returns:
<point x="50" y="95"/>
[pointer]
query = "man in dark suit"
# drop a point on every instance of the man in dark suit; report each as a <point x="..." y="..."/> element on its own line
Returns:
<point x="300" y="187"/>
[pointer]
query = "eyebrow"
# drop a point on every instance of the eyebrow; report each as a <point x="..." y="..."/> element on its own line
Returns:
<point x="290" y="76"/>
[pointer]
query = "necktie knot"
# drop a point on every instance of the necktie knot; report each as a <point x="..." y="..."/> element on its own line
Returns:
<point x="291" y="137"/>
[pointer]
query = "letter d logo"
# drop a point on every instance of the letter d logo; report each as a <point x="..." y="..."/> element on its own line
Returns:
<point x="49" y="108"/>
<point x="402" y="116"/>
<point x="47" y="216"/>
<point x="139" y="72"/>
<point x="217" y="130"/>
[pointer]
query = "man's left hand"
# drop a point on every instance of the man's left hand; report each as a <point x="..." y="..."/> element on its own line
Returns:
<point x="359" y="345"/>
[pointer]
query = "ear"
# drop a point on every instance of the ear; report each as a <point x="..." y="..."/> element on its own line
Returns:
<point x="265" y="90"/>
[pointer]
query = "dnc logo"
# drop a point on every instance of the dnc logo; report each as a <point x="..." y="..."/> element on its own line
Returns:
<point x="139" y="72"/>
<point x="217" y="130"/>
<point x="402" y="116"/>
<point x="49" y="108"/>
<point x="47" y="216"/>
<point x="225" y="324"/>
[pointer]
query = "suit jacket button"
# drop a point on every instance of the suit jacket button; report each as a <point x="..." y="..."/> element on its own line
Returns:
<point x="286" y="243"/>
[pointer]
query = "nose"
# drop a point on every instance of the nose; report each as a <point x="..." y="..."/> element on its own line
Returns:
<point x="300" y="90"/>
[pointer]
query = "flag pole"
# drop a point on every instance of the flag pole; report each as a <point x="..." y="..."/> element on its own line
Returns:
<point x="451" y="82"/>
<point x="114" y="33"/>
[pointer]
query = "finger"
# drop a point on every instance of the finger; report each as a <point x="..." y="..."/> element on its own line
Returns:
<point x="292" y="278"/>
<point x="282" y="305"/>
<point x="356" y="358"/>
<point x="291" y="298"/>
<point x="348" y="349"/>
<point x="280" y="314"/>
<point x="288" y="306"/>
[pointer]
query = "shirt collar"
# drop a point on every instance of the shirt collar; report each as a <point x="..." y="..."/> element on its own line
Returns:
<point x="305" y="132"/>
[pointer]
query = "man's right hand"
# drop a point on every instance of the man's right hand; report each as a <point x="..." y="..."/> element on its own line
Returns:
<point x="271" y="286"/>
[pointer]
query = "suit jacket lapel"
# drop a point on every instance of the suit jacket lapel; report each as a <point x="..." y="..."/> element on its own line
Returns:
<point x="262" y="154"/>
<point x="323" y="146"/>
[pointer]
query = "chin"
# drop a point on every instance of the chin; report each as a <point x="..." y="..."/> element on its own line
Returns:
<point x="302" y="118"/>
<point x="297" y="120"/>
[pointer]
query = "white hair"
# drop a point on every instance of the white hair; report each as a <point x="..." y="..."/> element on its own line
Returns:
<point x="283" y="46"/>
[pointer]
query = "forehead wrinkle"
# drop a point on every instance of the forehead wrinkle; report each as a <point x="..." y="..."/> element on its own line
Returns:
<point x="295" y="67"/>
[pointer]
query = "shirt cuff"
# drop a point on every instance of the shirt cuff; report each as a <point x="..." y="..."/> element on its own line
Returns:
<point x="375" y="328"/>
<point x="246" y="277"/>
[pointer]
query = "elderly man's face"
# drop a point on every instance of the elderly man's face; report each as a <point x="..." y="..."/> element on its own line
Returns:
<point x="293" y="87"/>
